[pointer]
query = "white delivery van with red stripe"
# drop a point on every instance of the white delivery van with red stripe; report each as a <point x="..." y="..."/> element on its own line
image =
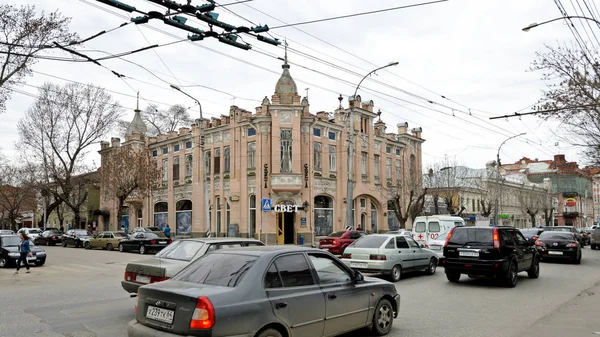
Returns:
<point x="430" y="227"/>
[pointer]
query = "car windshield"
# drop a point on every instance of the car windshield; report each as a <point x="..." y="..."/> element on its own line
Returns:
<point x="10" y="241"/>
<point x="336" y="234"/>
<point x="183" y="250"/>
<point x="369" y="241"/>
<point x="556" y="235"/>
<point x="475" y="236"/>
<point x="217" y="269"/>
<point x="34" y="231"/>
<point x="82" y="232"/>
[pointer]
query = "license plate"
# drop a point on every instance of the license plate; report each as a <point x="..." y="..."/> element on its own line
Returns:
<point x="436" y="247"/>
<point x="160" y="314"/>
<point x="142" y="279"/>
<point x="469" y="254"/>
<point x="555" y="253"/>
<point x="358" y="265"/>
<point x="162" y="242"/>
<point x="31" y="259"/>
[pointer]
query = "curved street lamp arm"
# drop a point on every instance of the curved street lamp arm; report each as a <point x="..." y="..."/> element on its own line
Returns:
<point x="369" y="74"/>
<point x="507" y="139"/>
<point x="533" y="25"/>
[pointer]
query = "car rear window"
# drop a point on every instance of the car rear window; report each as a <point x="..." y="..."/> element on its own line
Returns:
<point x="558" y="229"/>
<point x="226" y="270"/>
<point x="34" y="231"/>
<point x="183" y="250"/>
<point x="556" y="235"/>
<point x="462" y="236"/>
<point x="420" y="227"/>
<point x="369" y="242"/>
<point x="336" y="234"/>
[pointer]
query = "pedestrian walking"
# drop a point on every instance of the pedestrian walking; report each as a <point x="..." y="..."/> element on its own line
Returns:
<point x="167" y="231"/>
<point x="24" y="252"/>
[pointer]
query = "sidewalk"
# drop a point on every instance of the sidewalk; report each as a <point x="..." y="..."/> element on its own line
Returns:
<point x="580" y="317"/>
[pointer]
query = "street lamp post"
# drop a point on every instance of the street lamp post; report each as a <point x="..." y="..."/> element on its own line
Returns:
<point x="202" y="160"/>
<point x="535" y="24"/>
<point x="496" y="213"/>
<point x="350" y="194"/>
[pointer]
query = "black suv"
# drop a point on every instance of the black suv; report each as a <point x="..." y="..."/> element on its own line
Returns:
<point x="499" y="252"/>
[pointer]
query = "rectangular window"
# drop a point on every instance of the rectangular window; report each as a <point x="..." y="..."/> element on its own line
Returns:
<point x="388" y="149"/>
<point x="165" y="150"/>
<point x="188" y="165"/>
<point x="286" y="150"/>
<point x="251" y="132"/>
<point x="363" y="162"/>
<point x="188" y="145"/>
<point x="397" y="151"/>
<point x="331" y="135"/>
<point x="165" y="170"/>
<point x="217" y="161"/>
<point x="226" y="159"/>
<point x="317" y="132"/>
<point x="388" y="168"/>
<point x="398" y="172"/>
<point x="252" y="218"/>
<point x="154" y="153"/>
<point x="317" y="156"/>
<point x="251" y="155"/>
<point x="176" y="168"/>
<point x="332" y="159"/>
<point x="376" y="167"/>
<point x="207" y="162"/>
<point x="176" y="148"/>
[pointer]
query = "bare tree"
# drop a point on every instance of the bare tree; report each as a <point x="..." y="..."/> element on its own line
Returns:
<point x="530" y="202"/>
<point x="128" y="172"/>
<point x="57" y="131"/>
<point x="572" y="96"/>
<point x="15" y="194"/>
<point x="445" y="180"/>
<point x="24" y="33"/>
<point x="161" y="121"/>
<point x="407" y="200"/>
<point x="486" y="191"/>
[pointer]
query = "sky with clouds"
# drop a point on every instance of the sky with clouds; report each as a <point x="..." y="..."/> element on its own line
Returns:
<point x="472" y="52"/>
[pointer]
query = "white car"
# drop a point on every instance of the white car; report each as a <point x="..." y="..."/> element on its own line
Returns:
<point x="31" y="232"/>
<point x="437" y="244"/>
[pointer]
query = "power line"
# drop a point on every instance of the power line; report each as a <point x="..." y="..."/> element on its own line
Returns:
<point x="359" y="14"/>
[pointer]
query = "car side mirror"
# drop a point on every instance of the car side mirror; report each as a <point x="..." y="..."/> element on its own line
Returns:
<point x="358" y="277"/>
<point x="421" y="245"/>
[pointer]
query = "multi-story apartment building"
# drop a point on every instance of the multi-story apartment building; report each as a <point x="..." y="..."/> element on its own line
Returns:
<point x="279" y="155"/>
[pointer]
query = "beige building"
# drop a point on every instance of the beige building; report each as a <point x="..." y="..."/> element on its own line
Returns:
<point x="280" y="154"/>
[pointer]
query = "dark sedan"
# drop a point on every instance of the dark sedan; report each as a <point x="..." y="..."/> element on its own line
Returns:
<point x="559" y="245"/>
<point x="75" y="237"/>
<point x="49" y="238"/>
<point x="566" y="229"/>
<point x="276" y="291"/>
<point x="144" y="242"/>
<point x="9" y="252"/>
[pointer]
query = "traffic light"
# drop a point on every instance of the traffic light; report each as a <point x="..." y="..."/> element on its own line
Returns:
<point x="118" y="5"/>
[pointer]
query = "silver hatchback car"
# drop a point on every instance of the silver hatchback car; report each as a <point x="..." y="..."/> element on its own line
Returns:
<point x="390" y="254"/>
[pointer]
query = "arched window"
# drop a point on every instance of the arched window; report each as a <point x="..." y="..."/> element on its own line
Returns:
<point x="363" y="220"/>
<point x="183" y="217"/>
<point x="140" y="217"/>
<point x="161" y="214"/>
<point x="373" y="218"/>
<point x="252" y="216"/>
<point x="124" y="219"/>
<point x="323" y="215"/>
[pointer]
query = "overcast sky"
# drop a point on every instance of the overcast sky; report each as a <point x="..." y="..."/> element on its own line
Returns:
<point x="471" y="51"/>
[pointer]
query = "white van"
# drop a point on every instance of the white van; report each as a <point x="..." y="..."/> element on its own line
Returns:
<point x="430" y="227"/>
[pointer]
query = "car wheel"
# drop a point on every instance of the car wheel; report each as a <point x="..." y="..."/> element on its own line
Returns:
<point x="109" y="246"/>
<point x="511" y="277"/>
<point x="40" y="263"/>
<point x="396" y="273"/>
<point x="64" y="243"/>
<point x="3" y="262"/>
<point x="88" y="245"/>
<point x="269" y="333"/>
<point x="121" y="248"/>
<point x="383" y="318"/>
<point x="534" y="270"/>
<point x="452" y="276"/>
<point x="432" y="266"/>
<point x="142" y="249"/>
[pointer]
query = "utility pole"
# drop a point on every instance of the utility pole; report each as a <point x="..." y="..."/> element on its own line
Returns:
<point x="498" y="185"/>
<point x="202" y="162"/>
<point x="351" y="136"/>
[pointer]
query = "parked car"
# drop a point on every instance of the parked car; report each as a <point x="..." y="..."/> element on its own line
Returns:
<point x="9" y="252"/>
<point x="531" y="233"/>
<point x="31" y="232"/>
<point x="559" y="245"/>
<point x="6" y="232"/>
<point x="498" y="252"/>
<point x="174" y="258"/>
<point x="437" y="245"/>
<point x="430" y="227"/>
<point x="336" y="242"/>
<point x="595" y="238"/>
<point x="569" y="229"/>
<point x="75" y="237"/>
<point x="585" y="233"/>
<point x="49" y="238"/>
<point x="145" y="230"/>
<point x="389" y="254"/>
<point x="277" y="291"/>
<point x="105" y="240"/>
<point x="43" y="229"/>
<point x="144" y="242"/>
<point x="401" y="232"/>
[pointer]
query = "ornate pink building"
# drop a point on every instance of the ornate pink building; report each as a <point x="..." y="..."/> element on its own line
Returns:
<point x="280" y="152"/>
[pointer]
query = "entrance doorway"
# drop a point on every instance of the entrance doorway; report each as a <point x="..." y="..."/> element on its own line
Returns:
<point x="285" y="228"/>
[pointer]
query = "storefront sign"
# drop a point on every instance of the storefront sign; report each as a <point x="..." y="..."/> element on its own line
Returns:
<point x="286" y="208"/>
<point x="570" y="202"/>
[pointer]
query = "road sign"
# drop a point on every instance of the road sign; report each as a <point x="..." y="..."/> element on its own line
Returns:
<point x="303" y="222"/>
<point x="348" y="228"/>
<point x="266" y="204"/>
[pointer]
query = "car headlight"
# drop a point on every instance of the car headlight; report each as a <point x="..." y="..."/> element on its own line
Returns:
<point x="14" y="254"/>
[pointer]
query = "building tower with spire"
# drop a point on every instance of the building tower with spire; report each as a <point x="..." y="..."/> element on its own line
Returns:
<point x="137" y="125"/>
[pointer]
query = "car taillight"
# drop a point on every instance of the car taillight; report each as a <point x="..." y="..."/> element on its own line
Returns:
<point x="496" y="238"/>
<point x="54" y="237"/>
<point x="129" y="276"/>
<point x="152" y="242"/>
<point x="334" y="241"/>
<point x="449" y="236"/>
<point x="572" y="245"/>
<point x="154" y="279"/>
<point x="540" y="243"/>
<point x="204" y="314"/>
<point x="535" y="237"/>
<point x="346" y="256"/>
<point x="170" y="241"/>
<point x="377" y="257"/>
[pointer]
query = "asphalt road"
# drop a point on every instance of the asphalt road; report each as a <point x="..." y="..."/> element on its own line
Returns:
<point x="78" y="293"/>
